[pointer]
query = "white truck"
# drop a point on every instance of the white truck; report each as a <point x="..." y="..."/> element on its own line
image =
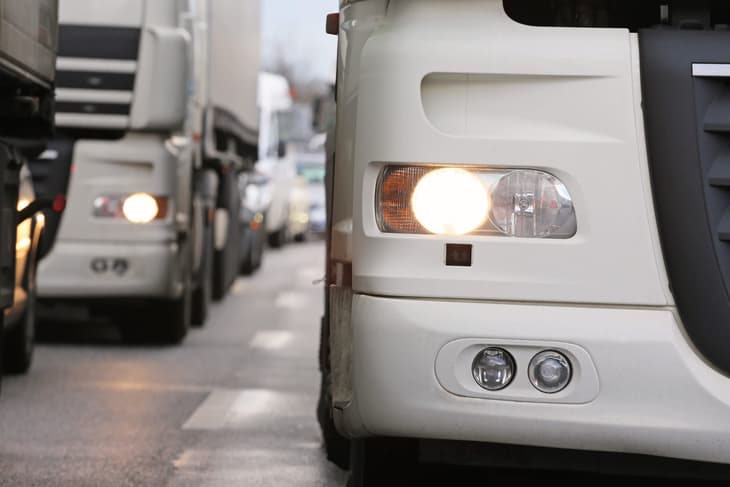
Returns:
<point x="156" y="117"/>
<point x="275" y="159"/>
<point x="529" y="258"/>
<point x="28" y="36"/>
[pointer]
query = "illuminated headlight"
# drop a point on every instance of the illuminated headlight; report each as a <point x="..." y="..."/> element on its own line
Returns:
<point x="136" y="208"/>
<point x="472" y="200"/>
<point x="450" y="202"/>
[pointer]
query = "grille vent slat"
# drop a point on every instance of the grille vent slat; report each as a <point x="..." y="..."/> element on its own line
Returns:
<point x="717" y="118"/>
<point x="720" y="172"/>
<point x="723" y="229"/>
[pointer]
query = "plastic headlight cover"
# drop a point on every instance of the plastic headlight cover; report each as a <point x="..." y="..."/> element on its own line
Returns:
<point x="459" y="200"/>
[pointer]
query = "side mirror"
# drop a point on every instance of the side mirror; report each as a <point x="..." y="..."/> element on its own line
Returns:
<point x="161" y="101"/>
<point x="281" y="150"/>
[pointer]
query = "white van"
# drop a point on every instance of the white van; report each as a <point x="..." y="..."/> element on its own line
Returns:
<point x="530" y="240"/>
<point x="285" y="218"/>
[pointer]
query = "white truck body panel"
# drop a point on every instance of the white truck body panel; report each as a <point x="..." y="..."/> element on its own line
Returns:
<point x="460" y="83"/>
<point x="124" y="13"/>
<point x="590" y="143"/>
<point x="234" y="29"/>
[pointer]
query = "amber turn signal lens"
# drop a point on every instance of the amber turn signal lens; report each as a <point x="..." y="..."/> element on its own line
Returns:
<point x="395" y="192"/>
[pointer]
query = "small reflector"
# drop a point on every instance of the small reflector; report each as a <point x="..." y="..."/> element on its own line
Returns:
<point x="458" y="255"/>
<point x="59" y="203"/>
<point x="333" y="24"/>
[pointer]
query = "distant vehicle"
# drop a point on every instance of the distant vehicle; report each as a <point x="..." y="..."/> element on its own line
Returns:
<point x="311" y="168"/>
<point x="255" y="189"/>
<point x="27" y="46"/>
<point x="158" y="122"/>
<point x="275" y="159"/>
<point x="299" y="204"/>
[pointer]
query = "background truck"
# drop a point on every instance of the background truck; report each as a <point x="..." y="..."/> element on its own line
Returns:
<point x="28" y="37"/>
<point x="275" y="159"/>
<point x="156" y="115"/>
<point x="530" y="241"/>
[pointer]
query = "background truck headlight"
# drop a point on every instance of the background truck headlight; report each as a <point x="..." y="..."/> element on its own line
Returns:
<point x="138" y="208"/>
<point x="459" y="200"/>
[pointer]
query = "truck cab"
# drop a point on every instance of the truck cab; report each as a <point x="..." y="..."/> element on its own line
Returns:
<point x="527" y="250"/>
<point x="153" y="134"/>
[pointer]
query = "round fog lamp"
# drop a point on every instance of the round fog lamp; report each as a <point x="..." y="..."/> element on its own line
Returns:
<point x="493" y="369"/>
<point x="140" y="208"/>
<point x="550" y="372"/>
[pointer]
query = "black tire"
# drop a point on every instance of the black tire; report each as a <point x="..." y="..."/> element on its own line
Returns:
<point x="203" y="293"/>
<point x="336" y="446"/>
<point x="251" y="262"/>
<point x="20" y="340"/>
<point x="161" y="323"/>
<point x="278" y="239"/>
<point x="383" y="462"/>
<point x="226" y="261"/>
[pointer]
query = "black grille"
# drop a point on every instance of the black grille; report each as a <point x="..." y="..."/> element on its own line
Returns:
<point x="97" y="42"/>
<point x="688" y="134"/>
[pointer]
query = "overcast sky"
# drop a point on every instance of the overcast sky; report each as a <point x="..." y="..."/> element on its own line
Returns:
<point x="294" y="29"/>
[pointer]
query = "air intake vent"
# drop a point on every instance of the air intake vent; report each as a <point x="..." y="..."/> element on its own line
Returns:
<point x="686" y="77"/>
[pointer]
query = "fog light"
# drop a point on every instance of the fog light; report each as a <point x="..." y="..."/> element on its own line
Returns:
<point x="550" y="372"/>
<point x="493" y="369"/>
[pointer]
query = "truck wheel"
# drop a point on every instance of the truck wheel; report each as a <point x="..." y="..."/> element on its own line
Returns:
<point x="336" y="446"/>
<point x="162" y="323"/>
<point x="278" y="239"/>
<point x="382" y="462"/>
<point x="20" y="341"/>
<point x="203" y="293"/>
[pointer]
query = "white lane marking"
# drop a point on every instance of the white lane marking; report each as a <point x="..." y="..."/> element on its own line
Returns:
<point x="233" y="409"/>
<point x="156" y="387"/>
<point x="271" y="339"/>
<point x="310" y="275"/>
<point x="211" y="414"/>
<point x="251" y="403"/>
<point x="291" y="300"/>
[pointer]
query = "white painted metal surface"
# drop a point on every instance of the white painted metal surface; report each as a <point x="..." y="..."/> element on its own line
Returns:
<point x="656" y="397"/>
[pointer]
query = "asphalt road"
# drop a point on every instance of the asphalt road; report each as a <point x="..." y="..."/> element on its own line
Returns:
<point x="233" y="406"/>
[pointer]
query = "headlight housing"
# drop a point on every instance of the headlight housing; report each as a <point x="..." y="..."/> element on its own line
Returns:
<point x="460" y="200"/>
<point x="139" y="208"/>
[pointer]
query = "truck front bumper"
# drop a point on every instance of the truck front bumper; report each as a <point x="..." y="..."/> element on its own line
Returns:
<point x="639" y="388"/>
<point x="107" y="270"/>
